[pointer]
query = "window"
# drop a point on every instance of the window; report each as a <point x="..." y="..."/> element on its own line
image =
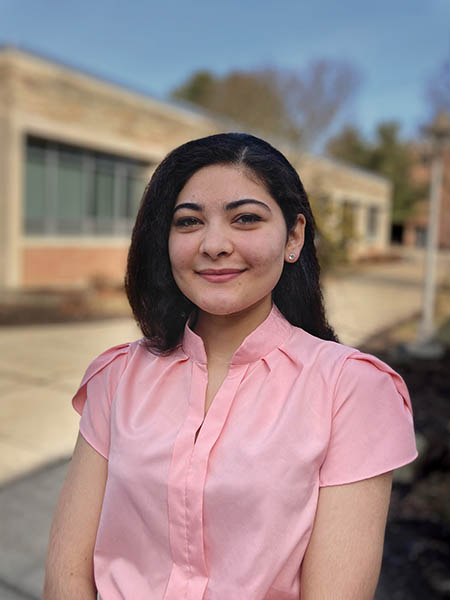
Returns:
<point x="75" y="191"/>
<point x="35" y="190"/>
<point x="372" y="221"/>
<point x="69" y="213"/>
<point x="348" y="219"/>
<point x="421" y="237"/>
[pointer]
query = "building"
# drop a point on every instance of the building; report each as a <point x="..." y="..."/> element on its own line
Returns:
<point x="76" y="153"/>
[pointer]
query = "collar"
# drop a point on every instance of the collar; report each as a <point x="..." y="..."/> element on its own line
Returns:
<point x="270" y="334"/>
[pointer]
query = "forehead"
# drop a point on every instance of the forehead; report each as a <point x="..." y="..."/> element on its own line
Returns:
<point x="217" y="184"/>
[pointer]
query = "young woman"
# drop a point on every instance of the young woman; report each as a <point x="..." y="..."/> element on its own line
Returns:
<point x="237" y="451"/>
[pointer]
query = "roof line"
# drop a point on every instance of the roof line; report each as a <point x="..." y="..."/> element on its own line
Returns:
<point x="351" y="167"/>
<point x="49" y="58"/>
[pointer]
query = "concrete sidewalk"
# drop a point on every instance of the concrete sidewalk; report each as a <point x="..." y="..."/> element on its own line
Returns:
<point x="41" y="367"/>
<point x="26" y="507"/>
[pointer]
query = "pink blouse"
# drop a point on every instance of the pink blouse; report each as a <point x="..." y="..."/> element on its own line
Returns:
<point x="229" y="516"/>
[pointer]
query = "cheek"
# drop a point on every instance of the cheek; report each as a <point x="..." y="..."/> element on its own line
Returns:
<point x="179" y="254"/>
<point x="269" y="254"/>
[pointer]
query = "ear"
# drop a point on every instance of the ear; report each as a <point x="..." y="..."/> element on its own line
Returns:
<point x="295" y="240"/>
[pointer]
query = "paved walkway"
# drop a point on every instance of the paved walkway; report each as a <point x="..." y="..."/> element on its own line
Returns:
<point x="368" y="300"/>
<point x="41" y="367"/>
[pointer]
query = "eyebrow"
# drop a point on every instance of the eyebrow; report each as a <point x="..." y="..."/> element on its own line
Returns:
<point x="229" y="206"/>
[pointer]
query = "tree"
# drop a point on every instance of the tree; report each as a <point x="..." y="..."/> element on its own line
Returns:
<point x="349" y="146"/>
<point x="387" y="155"/>
<point x="198" y="88"/>
<point x="297" y="106"/>
<point x="335" y="229"/>
<point x="438" y="91"/>
<point x="250" y="98"/>
<point x="317" y="94"/>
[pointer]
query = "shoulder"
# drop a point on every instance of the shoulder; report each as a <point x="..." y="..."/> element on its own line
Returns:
<point x="363" y="373"/>
<point x="117" y="356"/>
<point x="313" y="353"/>
<point x="107" y="368"/>
<point x="343" y="367"/>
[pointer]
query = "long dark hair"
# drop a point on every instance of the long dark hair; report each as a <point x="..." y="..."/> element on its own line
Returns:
<point x="159" y="307"/>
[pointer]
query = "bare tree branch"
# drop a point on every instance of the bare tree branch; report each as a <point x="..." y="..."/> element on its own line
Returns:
<point x="296" y="105"/>
<point x="316" y="95"/>
<point x="438" y="90"/>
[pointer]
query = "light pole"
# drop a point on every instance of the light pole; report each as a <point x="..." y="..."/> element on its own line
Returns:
<point x="425" y="345"/>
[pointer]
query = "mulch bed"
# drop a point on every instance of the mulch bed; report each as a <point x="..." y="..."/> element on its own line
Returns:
<point x="63" y="306"/>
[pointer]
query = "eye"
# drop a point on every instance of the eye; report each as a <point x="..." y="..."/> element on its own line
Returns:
<point x="248" y="219"/>
<point x="186" y="222"/>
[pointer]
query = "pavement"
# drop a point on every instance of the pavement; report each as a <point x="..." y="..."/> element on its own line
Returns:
<point x="41" y="367"/>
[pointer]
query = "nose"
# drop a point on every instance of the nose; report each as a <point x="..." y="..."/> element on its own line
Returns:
<point x="216" y="242"/>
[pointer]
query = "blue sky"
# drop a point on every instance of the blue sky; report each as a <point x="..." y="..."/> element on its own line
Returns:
<point x="397" y="45"/>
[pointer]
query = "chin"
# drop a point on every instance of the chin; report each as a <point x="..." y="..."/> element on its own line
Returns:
<point x="221" y="311"/>
<point x="231" y="308"/>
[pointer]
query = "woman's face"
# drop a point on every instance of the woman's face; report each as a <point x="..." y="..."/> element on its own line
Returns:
<point x="228" y="241"/>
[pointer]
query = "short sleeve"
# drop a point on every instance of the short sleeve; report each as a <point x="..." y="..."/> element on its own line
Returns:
<point x="372" y="429"/>
<point x="94" y="396"/>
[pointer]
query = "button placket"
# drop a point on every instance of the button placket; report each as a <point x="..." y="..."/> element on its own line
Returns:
<point x="179" y="468"/>
<point x="195" y="482"/>
<point x="188" y="470"/>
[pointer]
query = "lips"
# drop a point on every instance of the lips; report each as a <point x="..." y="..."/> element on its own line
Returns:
<point x="220" y="275"/>
<point x="219" y="271"/>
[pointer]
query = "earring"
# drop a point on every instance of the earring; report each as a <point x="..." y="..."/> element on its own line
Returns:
<point x="291" y="256"/>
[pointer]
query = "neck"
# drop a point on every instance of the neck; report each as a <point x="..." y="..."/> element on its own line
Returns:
<point x="223" y="334"/>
